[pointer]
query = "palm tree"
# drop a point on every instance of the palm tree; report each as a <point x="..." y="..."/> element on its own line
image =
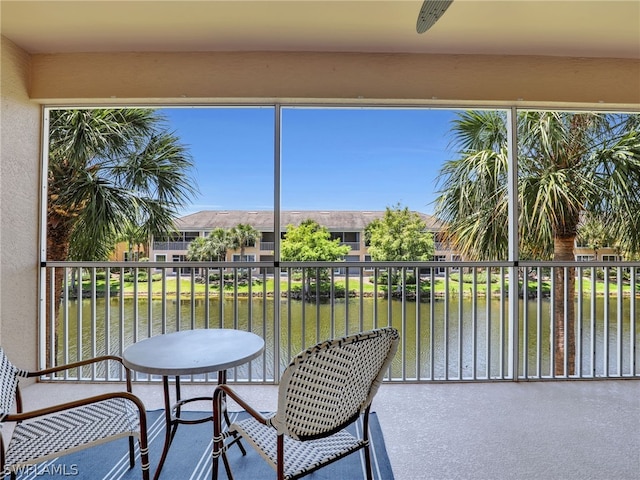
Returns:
<point x="570" y="165"/>
<point x="593" y="234"/>
<point x="108" y="168"/>
<point x="198" y="250"/>
<point x="219" y="242"/>
<point x="213" y="247"/>
<point x="136" y="235"/>
<point x="243" y="235"/>
<point x="210" y="248"/>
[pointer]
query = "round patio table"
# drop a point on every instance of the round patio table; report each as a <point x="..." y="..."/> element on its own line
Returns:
<point x="190" y="352"/>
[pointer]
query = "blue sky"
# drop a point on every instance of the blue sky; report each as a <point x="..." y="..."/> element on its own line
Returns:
<point x="331" y="159"/>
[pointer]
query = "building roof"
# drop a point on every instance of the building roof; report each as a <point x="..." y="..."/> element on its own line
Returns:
<point x="350" y="220"/>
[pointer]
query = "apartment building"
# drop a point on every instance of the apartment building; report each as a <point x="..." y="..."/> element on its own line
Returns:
<point x="346" y="225"/>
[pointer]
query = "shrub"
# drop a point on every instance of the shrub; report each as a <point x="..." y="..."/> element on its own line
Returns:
<point x="143" y="275"/>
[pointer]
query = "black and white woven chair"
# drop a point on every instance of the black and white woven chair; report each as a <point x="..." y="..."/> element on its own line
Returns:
<point x="53" y="431"/>
<point x="323" y="390"/>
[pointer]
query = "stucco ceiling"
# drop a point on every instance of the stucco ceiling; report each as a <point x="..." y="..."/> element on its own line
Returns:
<point x="576" y="28"/>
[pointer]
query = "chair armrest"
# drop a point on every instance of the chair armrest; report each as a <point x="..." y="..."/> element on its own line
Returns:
<point x="219" y="436"/>
<point x="69" y="366"/>
<point x="225" y="389"/>
<point x="18" y="417"/>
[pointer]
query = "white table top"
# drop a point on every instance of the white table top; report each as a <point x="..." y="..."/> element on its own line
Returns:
<point x="193" y="351"/>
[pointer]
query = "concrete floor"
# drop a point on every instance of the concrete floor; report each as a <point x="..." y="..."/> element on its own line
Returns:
<point x="478" y="431"/>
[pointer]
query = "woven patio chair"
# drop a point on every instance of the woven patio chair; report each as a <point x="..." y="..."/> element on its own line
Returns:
<point x="323" y="390"/>
<point x="57" y="430"/>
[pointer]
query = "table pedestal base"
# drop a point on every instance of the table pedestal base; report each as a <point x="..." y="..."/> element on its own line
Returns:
<point x="172" y="416"/>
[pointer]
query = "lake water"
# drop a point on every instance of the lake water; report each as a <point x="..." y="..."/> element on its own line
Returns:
<point x="456" y="339"/>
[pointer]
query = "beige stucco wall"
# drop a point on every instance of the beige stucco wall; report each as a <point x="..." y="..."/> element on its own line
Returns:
<point x="28" y="81"/>
<point x="19" y="208"/>
<point x="202" y="76"/>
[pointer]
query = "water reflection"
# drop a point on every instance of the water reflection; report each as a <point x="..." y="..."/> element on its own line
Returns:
<point x="446" y="339"/>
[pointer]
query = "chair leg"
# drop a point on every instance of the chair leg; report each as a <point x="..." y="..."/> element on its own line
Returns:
<point x="228" y="420"/>
<point x="214" y="469"/>
<point x="367" y="460"/>
<point x="143" y="442"/>
<point x="216" y="462"/>
<point x="227" y="467"/>
<point x="144" y="455"/>
<point x="365" y="437"/>
<point x="218" y="437"/>
<point x="280" y="458"/>
<point x="132" y="454"/>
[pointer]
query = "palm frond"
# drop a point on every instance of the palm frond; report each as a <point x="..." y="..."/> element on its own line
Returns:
<point x="569" y="164"/>
<point x="110" y="167"/>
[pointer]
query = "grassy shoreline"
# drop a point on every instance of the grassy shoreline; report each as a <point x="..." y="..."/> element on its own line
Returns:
<point x="367" y="289"/>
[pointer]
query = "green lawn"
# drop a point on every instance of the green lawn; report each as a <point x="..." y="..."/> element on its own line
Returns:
<point x="440" y="286"/>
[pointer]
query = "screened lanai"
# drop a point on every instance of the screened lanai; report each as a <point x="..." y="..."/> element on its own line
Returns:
<point x="502" y="56"/>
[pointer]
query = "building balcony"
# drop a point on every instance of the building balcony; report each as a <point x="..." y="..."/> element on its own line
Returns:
<point x="355" y="246"/>
<point x="267" y="246"/>
<point x="474" y="391"/>
<point x="474" y="431"/>
<point x="170" y="246"/>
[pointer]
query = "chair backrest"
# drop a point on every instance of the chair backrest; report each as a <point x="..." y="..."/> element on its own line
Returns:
<point x="328" y="386"/>
<point x="8" y="383"/>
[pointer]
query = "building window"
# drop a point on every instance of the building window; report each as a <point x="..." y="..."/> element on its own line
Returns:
<point x="440" y="258"/>
<point x="584" y="258"/>
<point x="180" y="271"/>
<point x="245" y="258"/>
<point x="160" y="257"/>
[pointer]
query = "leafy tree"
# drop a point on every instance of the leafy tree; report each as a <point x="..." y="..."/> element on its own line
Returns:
<point x="311" y="242"/>
<point x="569" y="165"/>
<point x="400" y="235"/>
<point x="243" y="235"/>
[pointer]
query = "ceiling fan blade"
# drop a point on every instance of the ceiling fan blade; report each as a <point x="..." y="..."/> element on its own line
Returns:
<point x="430" y="12"/>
